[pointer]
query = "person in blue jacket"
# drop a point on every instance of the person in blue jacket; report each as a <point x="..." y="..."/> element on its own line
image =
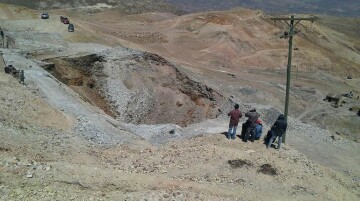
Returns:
<point x="258" y="129"/>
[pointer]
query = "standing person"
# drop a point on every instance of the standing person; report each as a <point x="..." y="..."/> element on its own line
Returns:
<point x="279" y="128"/>
<point x="258" y="129"/>
<point x="235" y="115"/>
<point x="251" y="121"/>
<point x="244" y="128"/>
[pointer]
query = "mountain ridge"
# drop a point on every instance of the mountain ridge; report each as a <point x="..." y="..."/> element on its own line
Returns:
<point x="126" y="6"/>
<point x="348" y="8"/>
<point x="332" y="7"/>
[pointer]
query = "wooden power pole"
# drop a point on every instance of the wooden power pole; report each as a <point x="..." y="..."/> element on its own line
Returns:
<point x="290" y="35"/>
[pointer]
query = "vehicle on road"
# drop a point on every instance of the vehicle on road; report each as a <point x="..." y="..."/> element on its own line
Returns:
<point x="71" y="28"/>
<point x="64" y="20"/>
<point x="45" y="15"/>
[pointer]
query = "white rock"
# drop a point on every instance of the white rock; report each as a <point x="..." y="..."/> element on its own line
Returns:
<point x="29" y="175"/>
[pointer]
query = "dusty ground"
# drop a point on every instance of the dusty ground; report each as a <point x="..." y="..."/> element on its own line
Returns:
<point x="58" y="145"/>
<point x="47" y="162"/>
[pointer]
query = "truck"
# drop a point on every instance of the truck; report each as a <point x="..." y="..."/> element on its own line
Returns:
<point x="64" y="20"/>
<point x="71" y="28"/>
<point x="45" y="15"/>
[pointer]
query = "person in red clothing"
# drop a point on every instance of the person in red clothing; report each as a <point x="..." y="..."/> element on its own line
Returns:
<point x="235" y="115"/>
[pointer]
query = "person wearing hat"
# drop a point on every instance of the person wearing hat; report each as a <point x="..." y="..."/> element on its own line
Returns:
<point x="258" y="129"/>
<point x="251" y="122"/>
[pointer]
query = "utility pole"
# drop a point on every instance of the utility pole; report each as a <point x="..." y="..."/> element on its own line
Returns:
<point x="290" y="35"/>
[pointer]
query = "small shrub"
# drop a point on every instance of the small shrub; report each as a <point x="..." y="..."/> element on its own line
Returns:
<point x="267" y="169"/>
<point x="238" y="163"/>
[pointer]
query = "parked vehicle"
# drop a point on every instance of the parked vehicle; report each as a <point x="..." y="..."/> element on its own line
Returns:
<point x="64" y="20"/>
<point x="45" y="15"/>
<point x="71" y="28"/>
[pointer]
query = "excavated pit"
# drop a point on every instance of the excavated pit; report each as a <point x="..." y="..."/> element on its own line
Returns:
<point x="77" y="73"/>
<point x="139" y="88"/>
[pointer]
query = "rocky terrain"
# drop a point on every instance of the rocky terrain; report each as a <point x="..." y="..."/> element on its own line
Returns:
<point x="246" y="58"/>
<point x="133" y="107"/>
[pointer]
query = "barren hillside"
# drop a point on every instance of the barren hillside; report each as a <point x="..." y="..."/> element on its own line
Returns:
<point x="134" y="107"/>
<point x="124" y="6"/>
<point x="244" y="47"/>
<point x="329" y="7"/>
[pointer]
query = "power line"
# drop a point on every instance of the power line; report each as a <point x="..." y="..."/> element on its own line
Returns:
<point x="290" y="35"/>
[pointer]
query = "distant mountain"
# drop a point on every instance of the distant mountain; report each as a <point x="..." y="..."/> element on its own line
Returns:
<point x="349" y="8"/>
<point x="128" y="6"/>
<point x="329" y="7"/>
<point x="42" y="4"/>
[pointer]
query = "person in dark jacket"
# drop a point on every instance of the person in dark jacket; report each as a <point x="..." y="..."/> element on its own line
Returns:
<point x="235" y="116"/>
<point x="244" y="129"/>
<point x="278" y="129"/>
<point x="251" y="122"/>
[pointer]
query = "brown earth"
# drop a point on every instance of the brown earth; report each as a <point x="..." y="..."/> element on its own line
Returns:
<point x="75" y="73"/>
<point x="242" y="48"/>
<point x="237" y="53"/>
<point x="45" y="161"/>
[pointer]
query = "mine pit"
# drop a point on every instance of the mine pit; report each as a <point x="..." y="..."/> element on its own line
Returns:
<point x="148" y="88"/>
<point x="77" y="73"/>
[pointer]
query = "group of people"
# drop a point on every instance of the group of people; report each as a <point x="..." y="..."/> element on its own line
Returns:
<point x="252" y="128"/>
